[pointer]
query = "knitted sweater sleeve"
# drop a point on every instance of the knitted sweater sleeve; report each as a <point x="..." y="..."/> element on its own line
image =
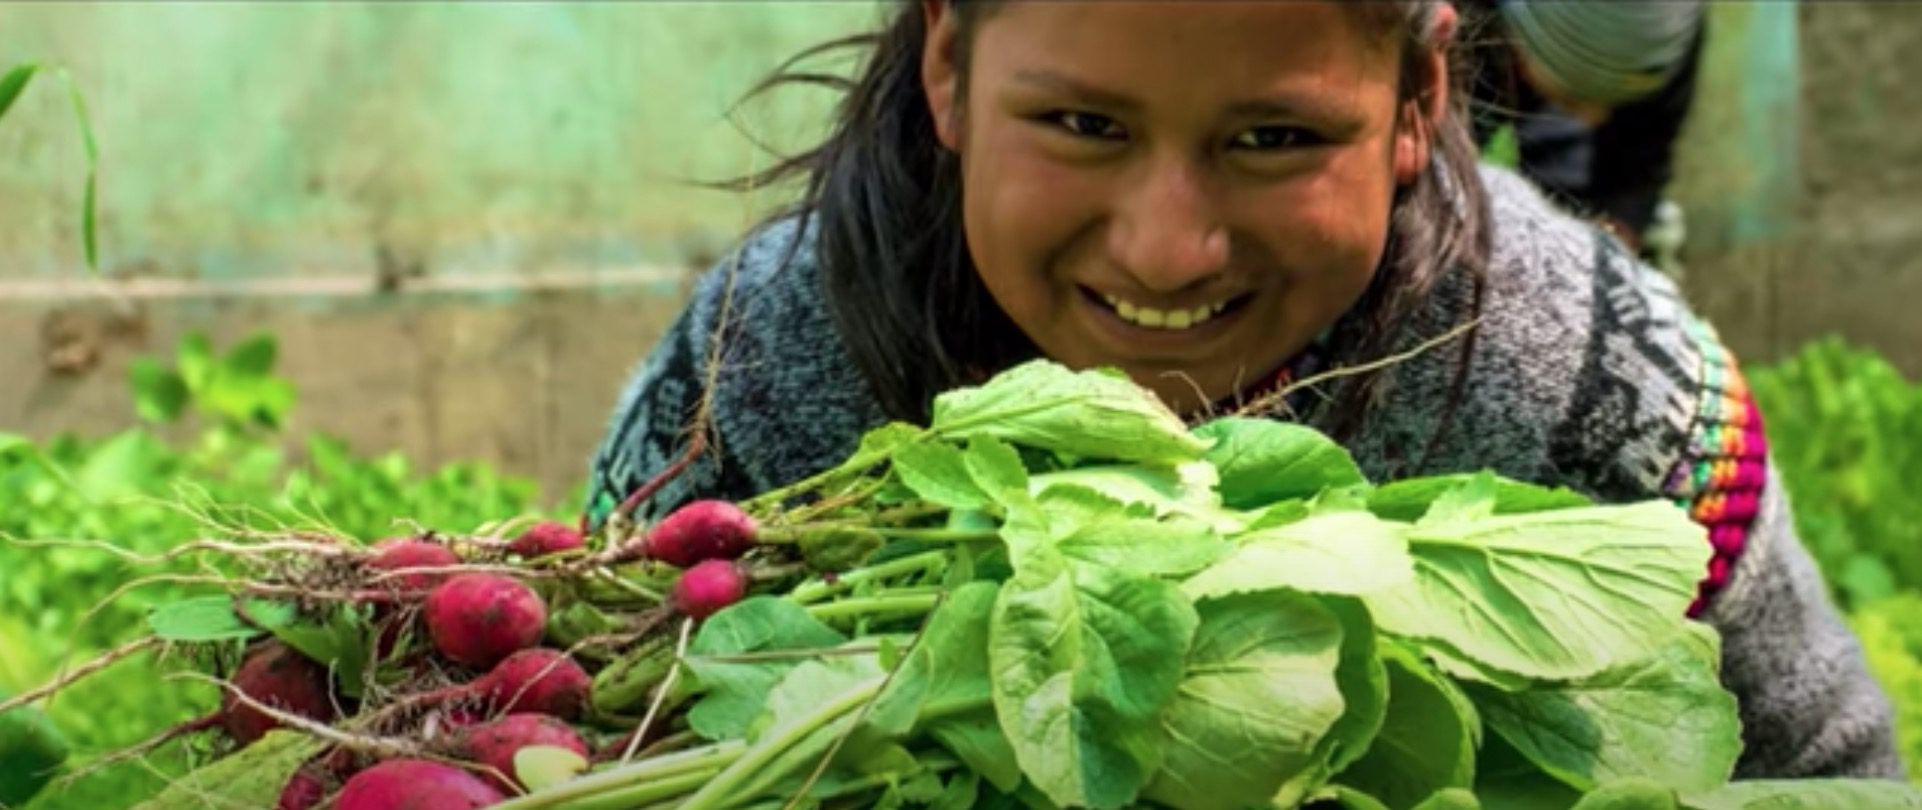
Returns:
<point x="1809" y="706"/>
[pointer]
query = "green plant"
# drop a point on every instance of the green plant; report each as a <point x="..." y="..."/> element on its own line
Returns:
<point x="1845" y="430"/>
<point x="11" y="86"/>
<point x="142" y="495"/>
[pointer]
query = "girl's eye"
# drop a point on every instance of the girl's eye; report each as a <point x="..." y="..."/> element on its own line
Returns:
<point x="1276" y="137"/>
<point x="1087" y="125"/>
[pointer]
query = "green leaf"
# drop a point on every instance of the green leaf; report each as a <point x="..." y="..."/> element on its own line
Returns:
<point x="1666" y="718"/>
<point x="213" y="618"/>
<point x="735" y="692"/>
<point x="12" y="441"/>
<point x="338" y="639"/>
<point x="1084" y="661"/>
<point x="1347" y="798"/>
<point x="938" y="472"/>
<point x="542" y="766"/>
<point x="959" y="793"/>
<point x="977" y="740"/>
<point x="250" y="777"/>
<point x="1410" y="499"/>
<point x="195" y="358"/>
<point x="1350" y="553"/>
<point x="1451" y="799"/>
<point x="1470" y="500"/>
<point x="1184" y="490"/>
<point x="89" y="241"/>
<point x="13" y="84"/>
<point x="947" y="672"/>
<point x="1363" y="680"/>
<point x="798" y="693"/>
<point x="1089" y="527"/>
<point x="1807" y="794"/>
<point x="1263" y="461"/>
<point x="1427" y="742"/>
<point x="159" y="395"/>
<point x="1551" y="595"/>
<point x="254" y="357"/>
<point x="996" y="469"/>
<point x="1258" y="696"/>
<point x="33" y="751"/>
<point x="1504" y="780"/>
<point x="795" y="705"/>
<point x="1631" y="794"/>
<point x="1097" y="414"/>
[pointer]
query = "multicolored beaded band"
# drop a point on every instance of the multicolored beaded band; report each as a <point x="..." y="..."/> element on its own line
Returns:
<point x="1724" y="470"/>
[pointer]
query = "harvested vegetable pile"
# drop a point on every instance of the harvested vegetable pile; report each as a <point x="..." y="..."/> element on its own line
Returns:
<point x="1056" y="594"/>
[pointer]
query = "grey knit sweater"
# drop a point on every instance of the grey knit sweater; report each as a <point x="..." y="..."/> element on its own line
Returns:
<point x="1588" y="371"/>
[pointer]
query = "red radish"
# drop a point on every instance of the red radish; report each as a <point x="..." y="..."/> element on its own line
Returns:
<point x="708" y="587"/>
<point x="700" y="531"/>
<point x="277" y="676"/>
<point x="303" y="792"/>
<point x="494" y="744"/>
<point x="479" y="619"/>
<point x="403" y="552"/>
<point x="547" y="537"/>
<point x="536" y="680"/>
<point x="416" y="784"/>
<point x="317" y="778"/>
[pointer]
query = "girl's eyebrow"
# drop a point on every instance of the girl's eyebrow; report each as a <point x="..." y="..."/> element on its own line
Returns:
<point x="1279" y="106"/>
<point x="1055" y="82"/>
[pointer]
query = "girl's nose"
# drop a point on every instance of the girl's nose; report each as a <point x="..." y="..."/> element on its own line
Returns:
<point x="1167" y="231"/>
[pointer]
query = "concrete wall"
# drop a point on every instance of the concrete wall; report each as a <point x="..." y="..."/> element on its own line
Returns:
<point x="511" y="175"/>
<point x="1801" y="171"/>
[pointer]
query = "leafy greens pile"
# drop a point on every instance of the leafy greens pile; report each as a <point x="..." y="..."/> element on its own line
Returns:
<point x="1126" y="611"/>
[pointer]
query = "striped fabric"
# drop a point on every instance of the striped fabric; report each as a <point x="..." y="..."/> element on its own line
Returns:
<point x="1721" y="476"/>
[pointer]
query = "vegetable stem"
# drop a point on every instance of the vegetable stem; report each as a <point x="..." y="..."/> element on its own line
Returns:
<point x="816" y="590"/>
<point x="640" y="772"/>
<point x="874" y="605"/>
<point x="643" y="794"/>
<point x="719" y="790"/>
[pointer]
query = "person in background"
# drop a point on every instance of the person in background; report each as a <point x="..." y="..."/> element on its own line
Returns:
<point x="1594" y="94"/>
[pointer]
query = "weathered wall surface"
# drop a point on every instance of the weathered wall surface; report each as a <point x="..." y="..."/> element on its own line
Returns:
<point x="1801" y="172"/>
<point x="517" y="169"/>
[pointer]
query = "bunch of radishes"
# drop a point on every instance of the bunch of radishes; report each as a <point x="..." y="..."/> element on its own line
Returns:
<point x="487" y="622"/>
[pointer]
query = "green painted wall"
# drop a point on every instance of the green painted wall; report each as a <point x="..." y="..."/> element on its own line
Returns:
<point x="272" y="138"/>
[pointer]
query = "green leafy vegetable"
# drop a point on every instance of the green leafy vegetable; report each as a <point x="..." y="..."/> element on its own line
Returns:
<point x="1257" y="697"/>
<point x="1428" y="740"/>
<point x="1666" y="718"/>
<point x="1350" y="553"/>
<point x="1552" y="595"/>
<point x="1095" y="414"/>
<point x="736" y="692"/>
<point x="1264" y="461"/>
<point x="1084" y="661"/>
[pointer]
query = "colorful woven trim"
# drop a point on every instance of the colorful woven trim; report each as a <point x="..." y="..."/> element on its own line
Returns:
<point x="1721" y="476"/>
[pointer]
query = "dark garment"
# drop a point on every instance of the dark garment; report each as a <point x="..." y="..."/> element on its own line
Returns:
<point x="1618" y="170"/>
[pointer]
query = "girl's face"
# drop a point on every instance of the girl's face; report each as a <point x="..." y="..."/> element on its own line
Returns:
<point x="1188" y="191"/>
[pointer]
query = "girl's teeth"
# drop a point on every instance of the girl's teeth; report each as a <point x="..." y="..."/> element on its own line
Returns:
<point x="1164" y="319"/>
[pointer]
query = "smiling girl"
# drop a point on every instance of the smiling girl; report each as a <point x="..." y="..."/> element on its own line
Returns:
<point x="1220" y="198"/>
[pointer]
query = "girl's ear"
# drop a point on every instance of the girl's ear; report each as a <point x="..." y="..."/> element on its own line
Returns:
<point x="939" y="75"/>
<point x="1415" y="130"/>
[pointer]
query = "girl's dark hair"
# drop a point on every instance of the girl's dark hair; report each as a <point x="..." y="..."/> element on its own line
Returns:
<point x="884" y="197"/>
